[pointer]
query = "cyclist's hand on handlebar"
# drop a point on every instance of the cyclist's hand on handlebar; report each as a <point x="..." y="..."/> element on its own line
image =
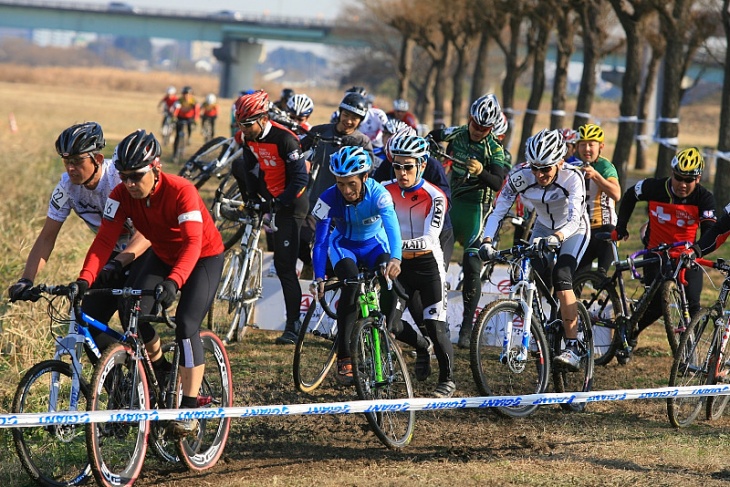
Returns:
<point x="487" y="251"/>
<point x="82" y="286"/>
<point x="551" y="242"/>
<point x="317" y="288"/>
<point x="392" y="270"/>
<point x="20" y="291"/>
<point x="166" y="292"/>
<point x="474" y="167"/>
<point x="619" y="234"/>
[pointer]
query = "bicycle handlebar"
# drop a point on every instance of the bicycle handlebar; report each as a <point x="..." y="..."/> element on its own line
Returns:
<point x="434" y="147"/>
<point x="238" y="204"/>
<point x="660" y="248"/>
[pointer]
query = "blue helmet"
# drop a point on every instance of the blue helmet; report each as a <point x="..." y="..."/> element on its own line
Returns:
<point x="350" y="161"/>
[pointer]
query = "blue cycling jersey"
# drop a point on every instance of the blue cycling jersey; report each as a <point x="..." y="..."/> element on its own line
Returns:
<point x="356" y="226"/>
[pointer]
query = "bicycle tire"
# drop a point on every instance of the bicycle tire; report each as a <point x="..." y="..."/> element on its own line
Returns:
<point x="181" y="140"/>
<point x="690" y="368"/>
<point x="718" y="372"/>
<point x="494" y="378"/>
<point x="672" y="312"/>
<point x="202" y="451"/>
<point x="316" y="348"/>
<point x="581" y="380"/>
<point x="160" y="439"/>
<point x="52" y="455"/>
<point x="252" y="288"/>
<point x="231" y="230"/>
<point x="117" y="449"/>
<point x="601" y="301"/>
<point x="392" y="425"/>
<point x="166" y="132"/>
<point x="194" y="168"/>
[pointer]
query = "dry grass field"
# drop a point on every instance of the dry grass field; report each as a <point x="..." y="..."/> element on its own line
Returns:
<point x="621" y="443"/>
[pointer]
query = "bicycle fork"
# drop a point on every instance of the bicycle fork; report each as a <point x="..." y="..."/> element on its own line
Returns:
<point x="522" y="292"/>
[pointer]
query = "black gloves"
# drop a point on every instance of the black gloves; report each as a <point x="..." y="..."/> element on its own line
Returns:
<point x="20" y="291"/>
<point x="167" y="292"/>
<point x="110" y="275"/>
<point x="82" y="287"/>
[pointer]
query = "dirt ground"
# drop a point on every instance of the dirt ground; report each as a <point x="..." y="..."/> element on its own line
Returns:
<point x="611" y="443"/>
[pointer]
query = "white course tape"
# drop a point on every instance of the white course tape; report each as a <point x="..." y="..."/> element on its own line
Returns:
<point x="350" y="407"/>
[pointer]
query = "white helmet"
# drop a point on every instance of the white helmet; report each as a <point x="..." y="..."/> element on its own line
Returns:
<point x="300" y="105"/>
<point x="546" y="148"/>
<point x="400" y="105"/>
<point x="393" y="125"/>
<point x="171" y="90"/>
<point x="210" y="99"/>
<point x="485" y="110"/>
<point x="500" y="128"/>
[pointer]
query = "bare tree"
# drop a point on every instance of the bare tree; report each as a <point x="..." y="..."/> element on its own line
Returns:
<point x="722" y="175"/>
<point x="566" y="20"/>
<point x="630" y="13"/>
<point x="653" y="53"/>
<point x="685" y="27"/>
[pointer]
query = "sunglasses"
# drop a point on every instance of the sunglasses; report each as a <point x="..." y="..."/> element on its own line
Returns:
<point x="541" y="169"/>
<point x="403" y="167"/>
<point x="249" y="123"/>
<point x="682" y="179"/>
<point x="76" y="161"/>
<point x="134" y="177"/>
<point x="481" y="128"/>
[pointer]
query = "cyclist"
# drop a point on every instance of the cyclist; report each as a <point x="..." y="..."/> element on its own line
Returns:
<point x="300" y="108"/>
<point x="209" y="113"/>
<point x="84" y="188"/>
<point x="286" y="95"/>
<point x="421" y="208"/>
<point x="187" y="112"/>
<point x="678" y="206"/>
<point x="365" y="232"/>
<point x="187" y="255"/>
<point x="374" y="119"/>
<point x="557" y="192"/>
<point x="570" y="137"/>
<point x="472" y="192"/>
<point x="167" y="103"/>
<point x="352" y="110"/>
<point x="272" y="169"/>
<point x="400" y="112"/>
<point x="603" y="190"/>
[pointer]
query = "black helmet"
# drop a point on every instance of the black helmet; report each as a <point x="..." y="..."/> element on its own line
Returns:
<point x="79" y="139"/>
<point x="360" y="90"/>
<point x="186" y="89"/>
<point x="137" y="150"/>
<point x="355" y="103"/>
<point x="287" y="93"/>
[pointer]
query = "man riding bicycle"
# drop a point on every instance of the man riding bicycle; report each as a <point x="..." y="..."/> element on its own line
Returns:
<point x="187" y="112"/>
<point x="272" y="173"/>
<point x="557" y="192"/>
<point x="421" y="208"/>
<point x="187" y="255"/>
<point x="472" y="192"/>
<point x="84" y="188"/>
<point x="678" y="206"/>
<point x="356" y="225"/>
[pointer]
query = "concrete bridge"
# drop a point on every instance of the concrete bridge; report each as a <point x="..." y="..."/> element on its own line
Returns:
<point x="238" y="33"/>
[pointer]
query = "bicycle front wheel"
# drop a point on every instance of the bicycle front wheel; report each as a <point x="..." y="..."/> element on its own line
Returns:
<point x="55" y="454"/>
<point x="202" y="451"/>
<point x="316" y="347"/>
<point x="690" y="368"/>
<point x="508" y="374"/>
<point x="380" y="372"/>
<point x="580" y="380"/>
<point x="224" y="315"/>
<point x="602" y="302"/>
<point x="252" y="289"/>
<point x="674" y="320"/>
<point x="195" y="167"/>
<point x="718" y="373"/>
<point x="117" y="449"/>
<point x="231" y="230"/>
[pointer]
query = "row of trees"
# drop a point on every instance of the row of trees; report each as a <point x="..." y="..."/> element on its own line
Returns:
<point x="433" y="41"/>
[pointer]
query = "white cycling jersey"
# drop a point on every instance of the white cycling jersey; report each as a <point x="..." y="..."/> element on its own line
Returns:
<point x="559" y="206"/>
<point x="88" y="204"/>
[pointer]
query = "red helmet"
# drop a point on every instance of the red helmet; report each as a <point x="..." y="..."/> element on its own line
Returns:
<point x="252" y="106"/>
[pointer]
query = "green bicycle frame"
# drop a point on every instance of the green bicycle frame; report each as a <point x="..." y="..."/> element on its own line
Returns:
<point x="368" y="300"/>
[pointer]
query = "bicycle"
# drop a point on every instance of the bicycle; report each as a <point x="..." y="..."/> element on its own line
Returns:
<point x="181" y="139"/>
<point x="378" y="367"/>
<point x="168" y="124"/>
<point x="207" y="128"/>
<point x="316" y="348"/>
<point x="514" y="341"/>
<point x="702" y="357"/>
<point x="615" y="316"/>
<point x="212" y="159"/>
<point x="125" y="379"/>
<point x="241" y="283"/>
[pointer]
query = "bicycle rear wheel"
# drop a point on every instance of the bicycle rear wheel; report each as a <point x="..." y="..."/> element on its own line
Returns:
<point x="370" y="353"/>
<point x="582" y="379"/>
<point x="603" y="304"/>
<point x="674" y="322"/>
<point x="55" y="454"/>
<point x="117" y="449"/>
<point x="202" y="451"/>
<point x="194" y="168"/>
<point x="512" y="376"/>
<point x="227" y="314"/>
<point x="167" y="128"/>
<point x="690" y="368"/>
<point x="230" y="230"/>
<point x="316" y="347"/>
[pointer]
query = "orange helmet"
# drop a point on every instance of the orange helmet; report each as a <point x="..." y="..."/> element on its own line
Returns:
<point x="252" y="106"/>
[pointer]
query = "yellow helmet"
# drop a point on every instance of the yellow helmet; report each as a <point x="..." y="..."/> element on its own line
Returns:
<point x="590" y="131"/>
<point x="688" y="162"/>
